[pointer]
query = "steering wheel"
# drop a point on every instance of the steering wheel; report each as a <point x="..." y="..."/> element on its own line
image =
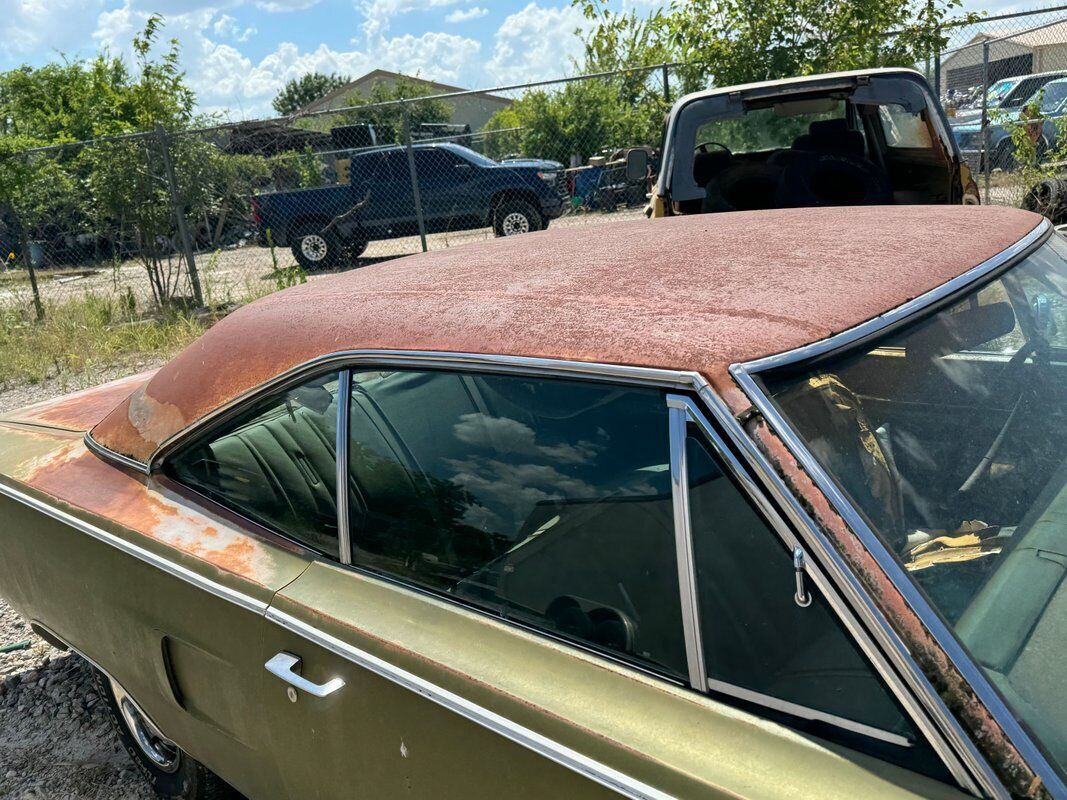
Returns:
<point x="1013" y="374"/>
<point x="703" y="147"/>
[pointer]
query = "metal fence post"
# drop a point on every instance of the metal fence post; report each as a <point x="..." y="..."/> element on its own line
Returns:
<point x="986" y="159"/>
<point x="414" y="175"/>
<point x="666" y="85"/>
<point x="937" y="63"/>
<point x="179" y="216"/>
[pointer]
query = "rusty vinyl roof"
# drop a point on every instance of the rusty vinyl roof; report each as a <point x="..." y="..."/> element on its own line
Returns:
<point x="691" y="293"/>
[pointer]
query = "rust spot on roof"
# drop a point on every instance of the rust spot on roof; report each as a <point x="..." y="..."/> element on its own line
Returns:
<point x="694" y="293"/>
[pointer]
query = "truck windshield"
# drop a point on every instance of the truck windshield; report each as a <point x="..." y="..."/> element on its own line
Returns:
<point x="949" y="436"/>
<point x="767" y="128"/>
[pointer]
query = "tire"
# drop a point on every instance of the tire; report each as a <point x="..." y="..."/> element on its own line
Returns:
<point x="1048" y="197"/>
<point x="182" y="777"/>
<point x="513" y="217"/>
<point x="1004" y="156"/>
<point x="316" y="249"/>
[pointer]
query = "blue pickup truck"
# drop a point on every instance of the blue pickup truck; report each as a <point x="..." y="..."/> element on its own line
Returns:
<point x="459" y="189"/>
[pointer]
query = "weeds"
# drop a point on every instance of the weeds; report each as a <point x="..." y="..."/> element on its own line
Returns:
<point x="82" y="335"/>
<point x="284" y="277"/>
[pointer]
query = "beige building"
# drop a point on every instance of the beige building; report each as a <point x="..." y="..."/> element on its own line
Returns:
<point x="472" y="109"/>
<point x="1011" y="52"/>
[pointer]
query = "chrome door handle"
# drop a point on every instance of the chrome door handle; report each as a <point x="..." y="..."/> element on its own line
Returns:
<point x="282" y="666"/>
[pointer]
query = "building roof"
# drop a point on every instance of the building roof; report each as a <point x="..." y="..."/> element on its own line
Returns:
<point x="687" y="293"/>
<point x="327" y="100"/>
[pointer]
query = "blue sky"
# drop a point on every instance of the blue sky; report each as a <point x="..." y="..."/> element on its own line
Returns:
<point x="238" y="53"/>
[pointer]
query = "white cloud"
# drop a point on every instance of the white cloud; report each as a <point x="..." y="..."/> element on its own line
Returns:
<point x="466" y="14"/>
<point x="32" y="27"/>
<point x="377" y="14"/>
<point x="226" y="27"/>
<point x="537" y="43"/>
<point x="226" y="79"/>
<point x="282" y="6"/>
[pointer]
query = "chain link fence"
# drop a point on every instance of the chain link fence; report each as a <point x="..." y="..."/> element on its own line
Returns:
<point x="220" y="215"/>
<point x="1003" y="84"/>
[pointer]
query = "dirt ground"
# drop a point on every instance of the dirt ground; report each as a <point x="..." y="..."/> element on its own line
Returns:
<point x="236" y="274"/>
<point x="56" y="741"/>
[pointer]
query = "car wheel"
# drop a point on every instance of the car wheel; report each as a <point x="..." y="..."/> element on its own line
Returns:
<point x="1004" y="156"/>
<point x="315" y="248"/>
<point x="172" y="773"/>
<point x="513" y="217"/>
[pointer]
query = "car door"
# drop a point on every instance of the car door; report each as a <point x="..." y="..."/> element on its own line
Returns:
<point x="519" y="618"/>
<point x="386" y="184"/>
<point x="446" y="186"/>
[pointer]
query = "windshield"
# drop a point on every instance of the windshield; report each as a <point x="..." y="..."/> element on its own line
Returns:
<point x="999" y="90"/>
<point x="1053" y="95"/>
<point x="950" y="437"/>
<point x="773" y="127"/>
<point x="476" y="157"/>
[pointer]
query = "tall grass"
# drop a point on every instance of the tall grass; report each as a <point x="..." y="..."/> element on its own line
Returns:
<point x="87" y="334"/>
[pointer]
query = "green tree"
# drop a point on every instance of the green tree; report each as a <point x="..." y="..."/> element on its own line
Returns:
<point x="309" y="87"/>
<point x="126" y="180"/>
<point x="736" y="41"/>
<point x="579" y="120"/>
<point x="35" y="192"/>
<point x="64" y="101"/>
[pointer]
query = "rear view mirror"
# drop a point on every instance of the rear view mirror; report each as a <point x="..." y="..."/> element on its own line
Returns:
<point x="962" y="330"/>
<point x="1044" y="325"/>
<point x="636" y="165"/>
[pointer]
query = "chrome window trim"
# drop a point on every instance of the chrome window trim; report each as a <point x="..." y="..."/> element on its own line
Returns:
<point x="849" y="601"/>
<point x="688" y="412"/>
<point x="689" y="599"/>
<point x="344" y="401"/>
<point x="917" y="694"/>
<point x="745" y="376"/>
<point x="878" y="325"/>
<point x="469" y="362"/>
<point x="806" y="712"/>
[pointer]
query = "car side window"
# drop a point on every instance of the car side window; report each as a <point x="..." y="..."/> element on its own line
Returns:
<point x="544" y="501"/>
<point x="797" y="664"/>
<point x="904" y="128"/>
<point x="275" y="463"/>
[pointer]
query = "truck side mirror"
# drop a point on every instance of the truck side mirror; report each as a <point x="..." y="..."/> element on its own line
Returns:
<point x="636" y="165"/>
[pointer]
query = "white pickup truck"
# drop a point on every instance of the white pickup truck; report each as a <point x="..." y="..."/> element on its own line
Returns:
<point x="871" y="137"/>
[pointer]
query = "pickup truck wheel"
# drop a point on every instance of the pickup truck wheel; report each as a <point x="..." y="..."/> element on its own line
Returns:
<point x="172" y="773"/>
<point x="513" y="217"/>
<point x="316" y="249"/>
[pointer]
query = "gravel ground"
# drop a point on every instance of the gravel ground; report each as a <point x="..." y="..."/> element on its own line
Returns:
<point x="56" y="741"/>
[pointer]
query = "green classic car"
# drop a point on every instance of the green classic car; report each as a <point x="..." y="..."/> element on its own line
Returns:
<point x="771" y="508"/>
